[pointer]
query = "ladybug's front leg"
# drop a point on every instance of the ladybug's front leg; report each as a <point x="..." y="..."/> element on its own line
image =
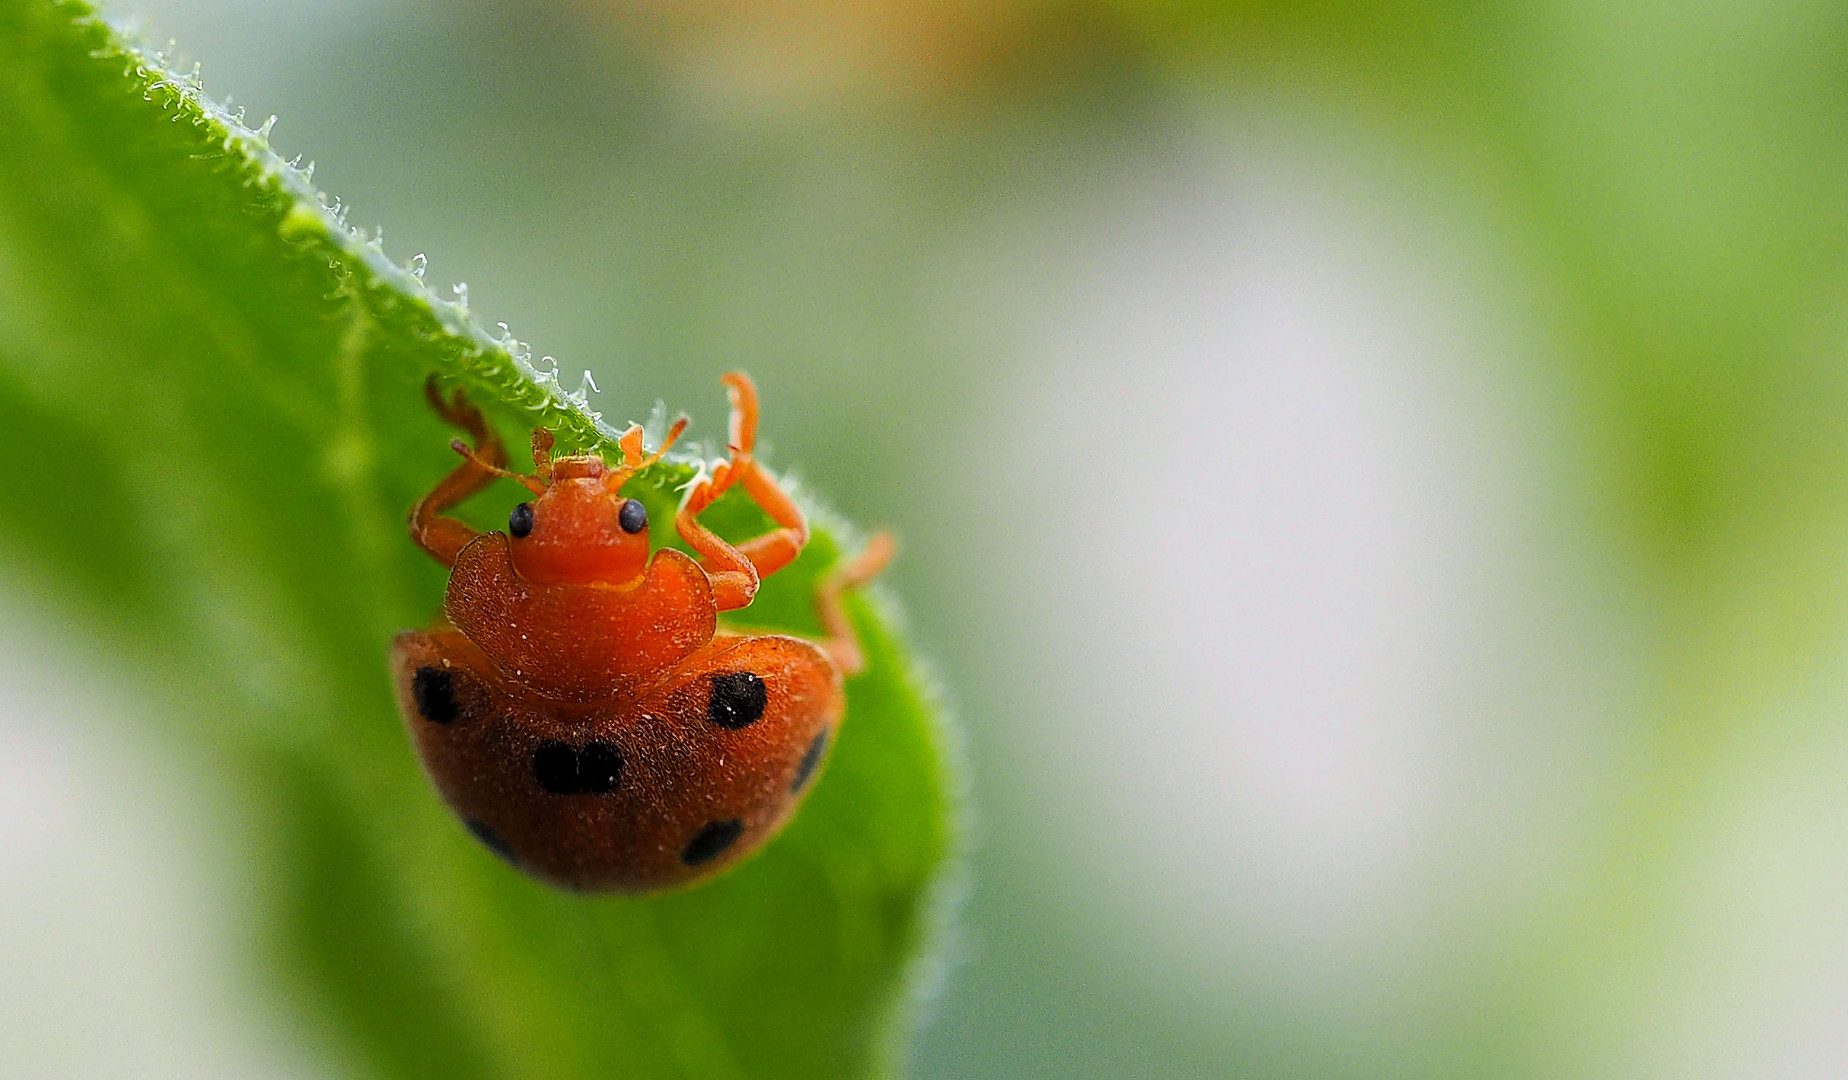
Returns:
<point x="445" y="537"/>
<point x="736" y="571"/>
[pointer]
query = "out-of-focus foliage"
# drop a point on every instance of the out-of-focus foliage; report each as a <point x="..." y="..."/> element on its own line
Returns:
<point x="1673" y="184"/>
<point x="214" y="424"/>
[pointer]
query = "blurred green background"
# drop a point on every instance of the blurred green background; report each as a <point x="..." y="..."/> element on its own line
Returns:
<point x="1372" y="477"/>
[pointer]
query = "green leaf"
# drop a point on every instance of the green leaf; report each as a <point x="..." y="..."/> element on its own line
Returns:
<point x="213" y="424"/>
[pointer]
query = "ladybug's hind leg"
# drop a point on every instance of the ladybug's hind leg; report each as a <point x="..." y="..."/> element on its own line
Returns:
<point x="842" y="644"/>
<point x="445" y="537"/>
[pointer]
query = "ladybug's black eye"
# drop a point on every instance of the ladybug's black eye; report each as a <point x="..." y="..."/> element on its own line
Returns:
<point x="520" y="522"/>
<point x="633" y="517"/>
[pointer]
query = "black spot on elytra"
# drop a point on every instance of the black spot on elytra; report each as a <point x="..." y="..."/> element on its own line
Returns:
<point x="520" y="522"/>
<point x="562" y="769"/>
<point x="555" y="766"/>
<point x="434" y="691"/>
<point x="712" y="841"/>
<point x="810" y="759"/>
<point x="491" y="840"/>
<point x="738" y="699"/>
<point x="599" y="767"/>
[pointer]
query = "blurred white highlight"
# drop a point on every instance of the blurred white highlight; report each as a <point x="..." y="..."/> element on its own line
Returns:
<point x="118" y="939"/>
<point x="1319" y="663"/>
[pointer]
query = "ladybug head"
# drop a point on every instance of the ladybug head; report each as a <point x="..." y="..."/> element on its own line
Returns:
<point x="580" y="530"/>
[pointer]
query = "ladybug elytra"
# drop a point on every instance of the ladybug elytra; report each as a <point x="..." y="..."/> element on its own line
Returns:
<point x="579" y="706"/>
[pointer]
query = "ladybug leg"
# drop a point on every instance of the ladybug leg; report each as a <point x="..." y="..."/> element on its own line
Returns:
<point x="445" y="537"/>
<point x="733" y="576"/>
<point x="842" y="644"/>
<point x="735" y="571"/>
<point x="778" y="548"/>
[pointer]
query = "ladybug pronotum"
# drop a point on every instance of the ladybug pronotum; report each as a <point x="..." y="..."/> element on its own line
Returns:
<point x="579" y="706"/>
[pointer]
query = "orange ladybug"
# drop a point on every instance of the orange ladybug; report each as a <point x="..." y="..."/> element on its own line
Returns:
<point x="579" y="707"/>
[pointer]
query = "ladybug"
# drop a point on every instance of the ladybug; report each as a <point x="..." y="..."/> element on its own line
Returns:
<point x="579" y="707"/>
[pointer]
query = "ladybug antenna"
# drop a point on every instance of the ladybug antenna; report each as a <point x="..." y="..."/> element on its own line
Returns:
<point x="542" y="455"/>
<point x="634" y="460"/>
<point x="532" y="484"/>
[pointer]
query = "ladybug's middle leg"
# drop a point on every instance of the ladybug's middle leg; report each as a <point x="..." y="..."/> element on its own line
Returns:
<point x="445" y="537"/>
<point x="736" y="571"/>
